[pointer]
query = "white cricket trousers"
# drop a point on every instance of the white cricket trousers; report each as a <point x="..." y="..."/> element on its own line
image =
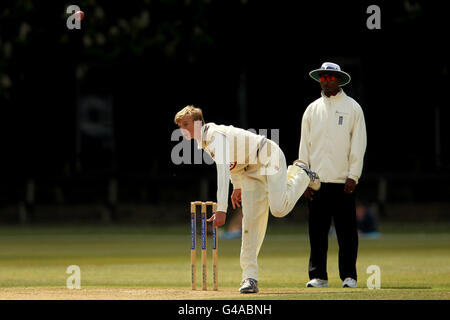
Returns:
<point x="263" y="187"/>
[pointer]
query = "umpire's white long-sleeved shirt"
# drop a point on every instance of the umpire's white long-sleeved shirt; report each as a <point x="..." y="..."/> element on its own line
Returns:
<point x="333" y="138"/>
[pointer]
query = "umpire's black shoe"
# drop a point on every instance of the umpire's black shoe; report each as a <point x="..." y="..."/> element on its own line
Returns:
<point x="249" y="285"/>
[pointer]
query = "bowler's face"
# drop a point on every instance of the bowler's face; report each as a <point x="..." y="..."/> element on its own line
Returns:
<point x="190" y="128"/>
<point x="186" y="125"/>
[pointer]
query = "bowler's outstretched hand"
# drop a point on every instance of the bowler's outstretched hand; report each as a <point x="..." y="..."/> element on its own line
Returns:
<point x="218" y="219"/>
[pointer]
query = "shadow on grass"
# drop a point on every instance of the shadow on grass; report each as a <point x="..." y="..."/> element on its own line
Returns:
<point x="407" y="288"/>
<point x="342" y="291"/>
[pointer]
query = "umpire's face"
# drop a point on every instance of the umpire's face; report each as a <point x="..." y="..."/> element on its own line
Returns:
<point x="329" y="83"/>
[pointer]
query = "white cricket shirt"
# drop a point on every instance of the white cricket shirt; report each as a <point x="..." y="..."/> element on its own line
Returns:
<point x="232" y="149"/>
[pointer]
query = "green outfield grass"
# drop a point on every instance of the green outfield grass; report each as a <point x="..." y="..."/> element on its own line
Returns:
<point x="414" y="264"/>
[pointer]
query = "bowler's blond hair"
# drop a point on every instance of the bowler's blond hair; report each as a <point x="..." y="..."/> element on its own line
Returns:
<point x="193" y="112"/>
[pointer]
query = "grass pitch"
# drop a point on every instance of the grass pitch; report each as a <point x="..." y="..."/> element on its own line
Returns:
<point x="154" y="263"/>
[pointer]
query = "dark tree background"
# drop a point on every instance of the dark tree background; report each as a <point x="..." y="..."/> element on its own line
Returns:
<point x="244" y="63"/>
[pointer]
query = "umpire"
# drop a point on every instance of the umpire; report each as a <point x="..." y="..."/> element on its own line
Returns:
<point x="333" y="142"/>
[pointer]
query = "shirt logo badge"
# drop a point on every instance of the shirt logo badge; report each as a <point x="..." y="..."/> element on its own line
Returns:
<point x="341" y="118"/>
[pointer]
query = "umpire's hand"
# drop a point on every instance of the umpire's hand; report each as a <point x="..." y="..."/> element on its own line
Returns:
<point x="349" y="186"/>
<point x="309" y="193"/>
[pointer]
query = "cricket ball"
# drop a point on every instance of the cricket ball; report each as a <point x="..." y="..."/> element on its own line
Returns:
<point x="79" y="15"/>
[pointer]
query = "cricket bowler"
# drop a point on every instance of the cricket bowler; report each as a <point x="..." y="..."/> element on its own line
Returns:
<point x="260" y="178"/>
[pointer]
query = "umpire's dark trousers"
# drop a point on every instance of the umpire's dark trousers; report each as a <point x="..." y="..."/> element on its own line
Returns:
<point x="330" y="201"/>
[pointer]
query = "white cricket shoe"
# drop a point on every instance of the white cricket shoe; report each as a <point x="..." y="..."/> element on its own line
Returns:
<point x="349" y="283"/>
<point x="314" y="177"/>
<point x="249" y="285"/>
<point x="317" y="283"/>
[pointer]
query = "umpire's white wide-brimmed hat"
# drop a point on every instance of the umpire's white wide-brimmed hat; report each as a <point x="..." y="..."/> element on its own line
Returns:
<point x="333" y="68"/>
